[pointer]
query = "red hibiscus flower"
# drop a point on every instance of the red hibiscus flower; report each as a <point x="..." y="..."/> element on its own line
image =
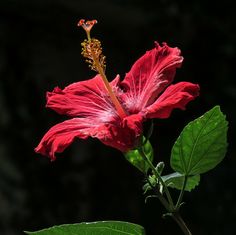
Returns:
<point x="144" y="93"/>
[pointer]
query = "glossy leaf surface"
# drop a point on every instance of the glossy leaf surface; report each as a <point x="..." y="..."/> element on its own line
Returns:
<point x="201" y="145"/>
<point x="94" y="228"/>
<point x="176" y="180"/>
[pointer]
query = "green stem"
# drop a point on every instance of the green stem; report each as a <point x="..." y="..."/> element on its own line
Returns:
<point x="178" y="219"/>
<point x="171" y="204"/>
<point x="163" y="201"/>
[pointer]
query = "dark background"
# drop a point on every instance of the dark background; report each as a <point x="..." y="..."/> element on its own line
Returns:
<point x="40" y="49"/>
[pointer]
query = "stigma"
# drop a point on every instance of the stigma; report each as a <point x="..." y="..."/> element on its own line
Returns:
<point x="87" y="26"/>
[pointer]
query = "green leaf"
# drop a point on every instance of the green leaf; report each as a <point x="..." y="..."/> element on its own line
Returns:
<point x="176" y="180"/>
<point x="94" y="228"/>
<point x="201" y="145"/>
<point x="134" y="157"/>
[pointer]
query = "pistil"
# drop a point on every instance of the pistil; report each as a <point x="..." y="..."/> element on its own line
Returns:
<point x="92" y="51"/>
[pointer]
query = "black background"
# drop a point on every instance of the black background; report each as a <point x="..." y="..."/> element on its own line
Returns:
<point x="40" y="49"/>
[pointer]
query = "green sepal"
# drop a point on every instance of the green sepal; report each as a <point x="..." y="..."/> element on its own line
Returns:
<point x="134" y="157"/>
<point x="176" y="180"/>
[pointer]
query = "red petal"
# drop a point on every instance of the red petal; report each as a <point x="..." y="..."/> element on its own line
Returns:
<point x="120" y="135"/>
<point x="125" y="135"/>
<point x="63" y="134"/>
<point x="175" y="96"/>
<point x="149" y="76"/>
<point x="86" y="98"/>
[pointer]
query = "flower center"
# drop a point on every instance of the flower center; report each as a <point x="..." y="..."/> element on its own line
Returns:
<point x="92" y="51"/>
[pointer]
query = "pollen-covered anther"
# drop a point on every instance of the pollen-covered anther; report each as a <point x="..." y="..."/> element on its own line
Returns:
<point x="92" y="51"/>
